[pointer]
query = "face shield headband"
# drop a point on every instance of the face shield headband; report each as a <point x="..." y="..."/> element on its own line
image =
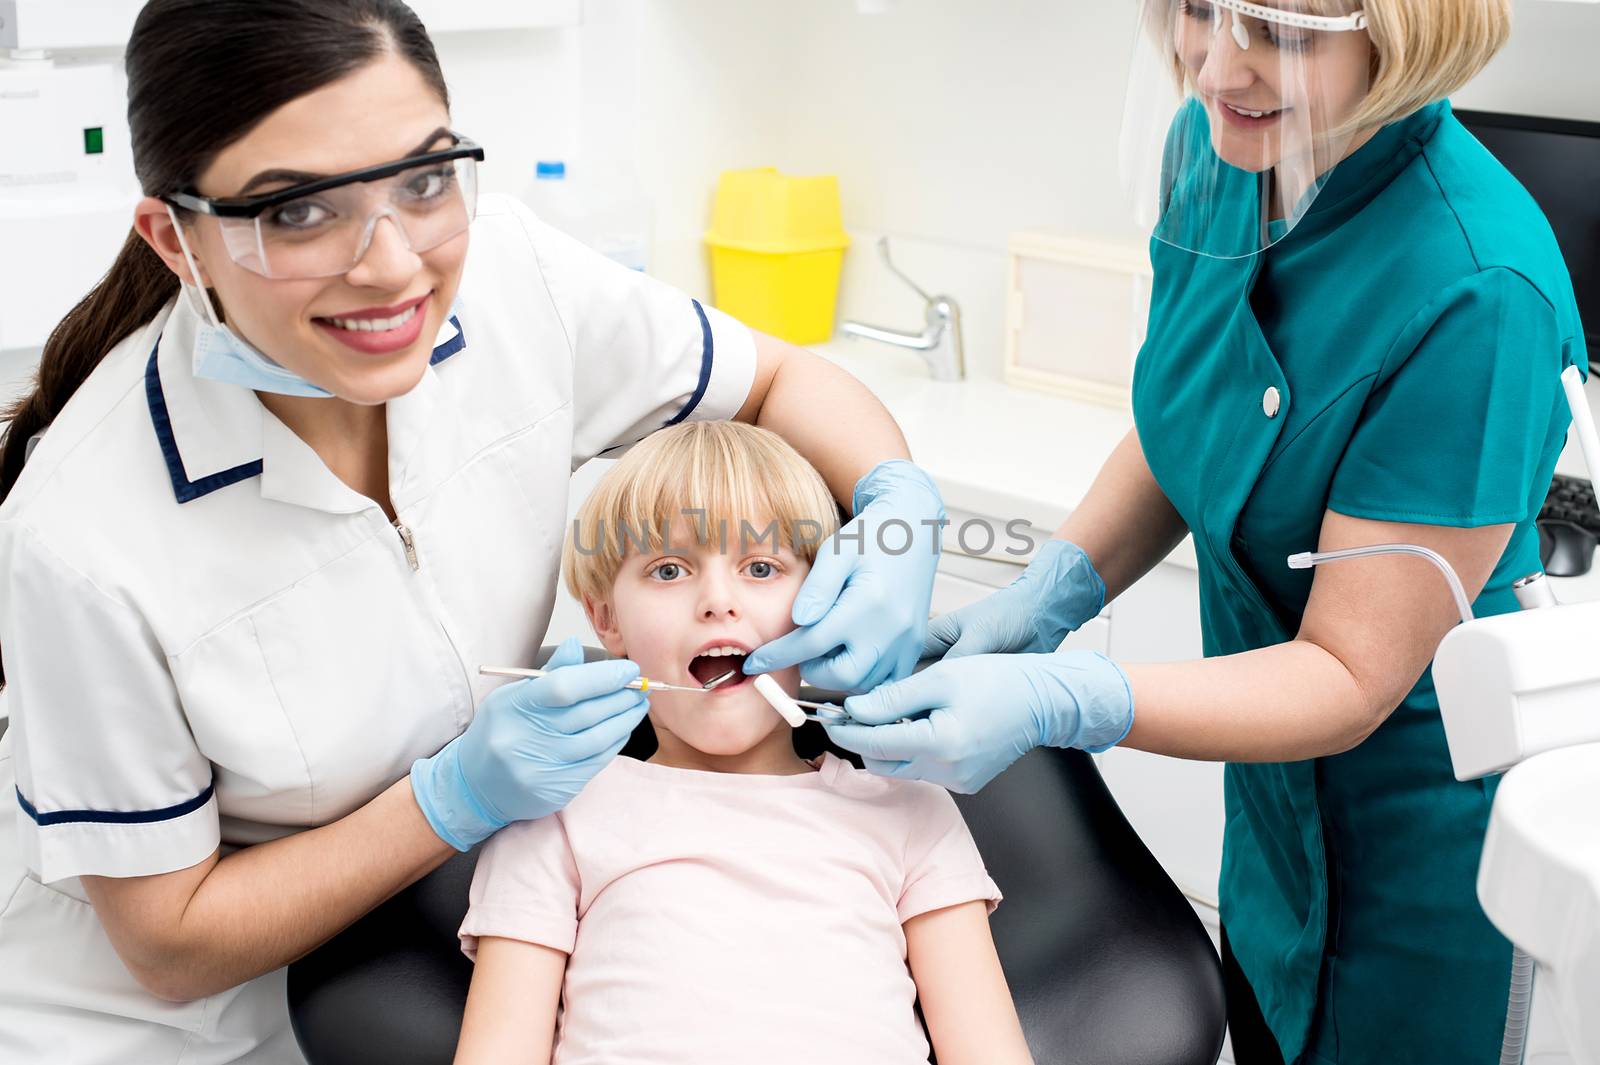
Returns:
<point x="1228" y="137"/>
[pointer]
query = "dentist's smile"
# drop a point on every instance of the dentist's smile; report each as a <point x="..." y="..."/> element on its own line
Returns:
<point x="378" y="330"/>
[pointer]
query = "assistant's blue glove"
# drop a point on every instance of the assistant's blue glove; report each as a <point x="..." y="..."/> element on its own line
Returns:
<point x="863" y="608"/>
<point x="530" y="749"/>
<point x="973" y="716"/>
<point x="1058" y="592"/>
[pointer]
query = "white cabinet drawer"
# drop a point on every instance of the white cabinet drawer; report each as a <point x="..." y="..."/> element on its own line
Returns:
<point x="988" y="571"/>
<point x="1176" y="807"/>
<point x="1174" y="804"/>
<point x="951" y="592"/>
<point x="1158" y="619"/>
<point x="988" y="549"/>
<point x="1092" y="635"/>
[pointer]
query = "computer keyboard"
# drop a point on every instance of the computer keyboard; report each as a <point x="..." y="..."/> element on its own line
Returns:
<point x="1569" y="527"/>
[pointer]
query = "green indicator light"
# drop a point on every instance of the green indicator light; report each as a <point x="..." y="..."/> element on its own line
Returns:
<point x="94" y="141"/>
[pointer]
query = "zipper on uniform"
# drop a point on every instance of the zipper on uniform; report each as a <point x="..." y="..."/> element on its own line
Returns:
<point x="409" y="543"/>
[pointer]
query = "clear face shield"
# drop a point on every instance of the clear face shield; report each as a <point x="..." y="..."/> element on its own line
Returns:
<point x="1236" y="113"/>
<point x="323" y="228"/>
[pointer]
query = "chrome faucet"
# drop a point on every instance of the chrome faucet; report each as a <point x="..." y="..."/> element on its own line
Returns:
<point x="939" y="343"/>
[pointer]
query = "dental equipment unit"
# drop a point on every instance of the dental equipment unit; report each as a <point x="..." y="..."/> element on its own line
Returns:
<point x="1519" y="694"/>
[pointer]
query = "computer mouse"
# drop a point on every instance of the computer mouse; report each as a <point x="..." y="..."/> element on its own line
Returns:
<point x="1566" y="549"/>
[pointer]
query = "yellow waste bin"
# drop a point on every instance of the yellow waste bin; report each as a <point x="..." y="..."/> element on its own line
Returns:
<point x="777" y="245"/>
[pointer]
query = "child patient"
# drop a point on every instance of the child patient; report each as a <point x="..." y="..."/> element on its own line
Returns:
<point x="726" y="901"/>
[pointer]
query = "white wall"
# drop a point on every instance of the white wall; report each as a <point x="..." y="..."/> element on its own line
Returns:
<point x="517" y="93"/>
<point x="950" y="124"/>
<point x="1551" y="66"/>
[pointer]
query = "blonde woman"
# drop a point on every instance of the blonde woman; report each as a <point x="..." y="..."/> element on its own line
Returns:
<point x="1358" y="323"/>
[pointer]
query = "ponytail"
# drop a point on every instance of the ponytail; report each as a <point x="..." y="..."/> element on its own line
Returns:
<point x="127" y="298"/>
<point x="201" y="75"/>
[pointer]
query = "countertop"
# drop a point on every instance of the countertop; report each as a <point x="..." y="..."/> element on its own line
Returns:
<point x="996" y="450"/>
<point x="1005" y="452"/>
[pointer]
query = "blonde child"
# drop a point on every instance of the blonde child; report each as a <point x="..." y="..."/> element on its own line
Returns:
<point x="726" y="901"/>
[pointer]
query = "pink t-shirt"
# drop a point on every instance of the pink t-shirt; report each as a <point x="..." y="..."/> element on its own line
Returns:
<point x="726" y="917"/>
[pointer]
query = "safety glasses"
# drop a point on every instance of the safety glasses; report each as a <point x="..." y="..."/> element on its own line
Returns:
<point x="322" y="228"/>
<point x="1278" y="27"/>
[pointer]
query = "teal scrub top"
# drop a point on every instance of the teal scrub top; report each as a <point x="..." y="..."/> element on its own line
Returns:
<point x="1414" y="325"/>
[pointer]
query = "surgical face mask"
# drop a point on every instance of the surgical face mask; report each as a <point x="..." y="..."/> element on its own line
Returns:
<point x="220" y="354"/>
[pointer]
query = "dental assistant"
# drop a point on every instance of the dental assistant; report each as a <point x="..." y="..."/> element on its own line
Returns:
<point x="1356" y="332"/>
<point x="292" y="471"/>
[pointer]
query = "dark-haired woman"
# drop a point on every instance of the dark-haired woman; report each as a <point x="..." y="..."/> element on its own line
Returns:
<point x="292" y="471"/>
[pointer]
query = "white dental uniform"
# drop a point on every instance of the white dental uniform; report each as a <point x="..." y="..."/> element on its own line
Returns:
<point x="210" y="639"/>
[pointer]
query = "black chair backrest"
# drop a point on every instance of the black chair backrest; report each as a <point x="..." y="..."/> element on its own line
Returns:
<point x="1106" y="959"/>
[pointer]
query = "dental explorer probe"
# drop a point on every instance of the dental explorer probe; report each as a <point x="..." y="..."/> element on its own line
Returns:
<point x="641" y="684"/>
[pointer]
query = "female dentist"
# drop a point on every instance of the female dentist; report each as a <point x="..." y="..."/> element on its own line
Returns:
<point x="1358" y="323"/>
<point x="272" y="520"/>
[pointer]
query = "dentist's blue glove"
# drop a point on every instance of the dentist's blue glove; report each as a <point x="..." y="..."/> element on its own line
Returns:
<point x="973" y="716"/>
<point x="1058" y="592"/>
<point x="531" y="748"/>
<point x="863" y="608"/>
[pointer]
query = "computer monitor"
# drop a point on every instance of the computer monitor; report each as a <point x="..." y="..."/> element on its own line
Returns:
<point x="1558" y="161"/>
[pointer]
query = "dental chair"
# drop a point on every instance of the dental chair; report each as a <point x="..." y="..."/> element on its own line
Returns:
<point x="1106" y="960"/>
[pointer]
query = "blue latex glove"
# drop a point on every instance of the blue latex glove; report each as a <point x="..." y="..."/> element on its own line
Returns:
<point x="530" y="749"/>
<point x="1058" y="592"/>
<point x="863" y="608"/>
<point x="973" y="716"/>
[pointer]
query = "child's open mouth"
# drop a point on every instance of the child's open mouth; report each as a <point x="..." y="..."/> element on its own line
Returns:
<point x="714" y="662"/>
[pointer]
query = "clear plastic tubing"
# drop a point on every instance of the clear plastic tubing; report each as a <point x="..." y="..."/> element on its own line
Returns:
<point x="1307" y="559"/>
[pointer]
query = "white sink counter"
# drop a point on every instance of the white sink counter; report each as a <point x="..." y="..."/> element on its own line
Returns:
<point x="996" y="450"/>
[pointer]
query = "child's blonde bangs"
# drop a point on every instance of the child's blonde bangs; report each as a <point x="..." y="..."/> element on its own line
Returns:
<point x="727" y="483"/>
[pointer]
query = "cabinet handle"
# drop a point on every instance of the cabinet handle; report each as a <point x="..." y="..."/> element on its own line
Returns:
<point x="1009" y="560"/>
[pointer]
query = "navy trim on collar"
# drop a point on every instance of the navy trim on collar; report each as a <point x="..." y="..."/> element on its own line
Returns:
<point x="451" y="346"/>
<point x="114" y="817"/>
<point x="185" y="489"/>
<point x="706" y="358"/>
